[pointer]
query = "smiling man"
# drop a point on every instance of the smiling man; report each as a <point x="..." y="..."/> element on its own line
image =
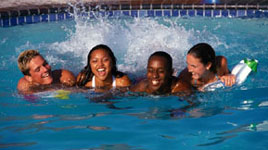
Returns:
<point x="37" y="72"/>
<point x="159" y="79"/>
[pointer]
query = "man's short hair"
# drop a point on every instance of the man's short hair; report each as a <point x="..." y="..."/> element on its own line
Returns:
<point x="24" y="59"/>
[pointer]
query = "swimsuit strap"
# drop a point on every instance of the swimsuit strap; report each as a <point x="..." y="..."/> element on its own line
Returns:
<point x="94" y="82"/>
<point x="195" y="81"/>
<point x="114" y="82"/>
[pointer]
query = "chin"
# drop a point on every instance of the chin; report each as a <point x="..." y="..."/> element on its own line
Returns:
<point x="195" y="77"/>
<point x="102" y="78"/>
<point x="154" y="88"/>
<point x="48" y="81"/>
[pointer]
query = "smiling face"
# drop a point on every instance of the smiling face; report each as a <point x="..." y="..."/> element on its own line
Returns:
<point x="101" y="64"/>
<point x="198" y="69"/>
<point x="157" y="74"/>
<point x="40" y="71"/>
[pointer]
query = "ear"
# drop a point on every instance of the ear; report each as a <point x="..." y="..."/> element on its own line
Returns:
<point x="28" y="78"/>
<point x="208" y="66"/>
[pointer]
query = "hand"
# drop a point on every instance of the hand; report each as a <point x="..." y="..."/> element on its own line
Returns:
<point x="228" y="80"/>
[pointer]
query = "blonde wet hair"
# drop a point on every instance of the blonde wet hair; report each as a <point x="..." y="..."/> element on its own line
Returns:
<point x="24" y="59"/>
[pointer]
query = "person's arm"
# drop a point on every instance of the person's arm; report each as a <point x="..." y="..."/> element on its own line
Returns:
<point x="67" y="78"/>
<point x="223" y="71"/>
<point x="222" y="66"/>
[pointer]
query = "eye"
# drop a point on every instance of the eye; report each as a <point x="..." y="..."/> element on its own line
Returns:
<point x="161" y="71"/>
<point x="149" y="70"/>
<point x="193" y="66"/>
<point x="94" y="60"/>
<point x="106" y="59"/>
<point x="37" y="69"/>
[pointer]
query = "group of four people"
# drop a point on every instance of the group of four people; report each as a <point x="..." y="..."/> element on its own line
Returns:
<point x="101" y="74"/>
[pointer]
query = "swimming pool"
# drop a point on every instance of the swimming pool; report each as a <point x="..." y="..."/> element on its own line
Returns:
<point x="231" y="118"/>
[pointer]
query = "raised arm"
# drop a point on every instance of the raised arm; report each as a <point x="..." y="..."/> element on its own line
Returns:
<point x="223" y="71"/>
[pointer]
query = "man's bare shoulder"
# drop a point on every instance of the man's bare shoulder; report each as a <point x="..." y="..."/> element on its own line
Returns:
<point x="140" y="86"/>
<point x="23" y="85"/>
<point x="123" y="81"/>
<point x="181" y="86"/>
<point x="185" y="75"/>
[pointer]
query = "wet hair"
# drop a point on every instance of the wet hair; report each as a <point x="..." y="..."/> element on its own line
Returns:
<point x="166" y="56"/>
<point x="205" y="53"/>
<point x="87" y="72"/>
<point x="24" y="59"/>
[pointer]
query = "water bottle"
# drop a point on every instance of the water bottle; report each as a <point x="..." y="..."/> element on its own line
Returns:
<point x="242" y="70"/>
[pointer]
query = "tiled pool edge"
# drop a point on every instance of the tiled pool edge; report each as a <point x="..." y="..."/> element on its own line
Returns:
<point x="48" y="14"/>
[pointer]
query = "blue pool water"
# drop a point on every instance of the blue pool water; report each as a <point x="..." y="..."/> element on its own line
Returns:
<point x="230" y="118"/>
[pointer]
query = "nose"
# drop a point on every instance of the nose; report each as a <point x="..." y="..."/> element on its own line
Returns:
<point x="100" y="63"/>
<point x="155" y="74"/>
<point x="189" y="68"/>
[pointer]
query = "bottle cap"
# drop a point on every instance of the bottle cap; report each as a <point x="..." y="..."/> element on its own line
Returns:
<point x="252" y="63"/>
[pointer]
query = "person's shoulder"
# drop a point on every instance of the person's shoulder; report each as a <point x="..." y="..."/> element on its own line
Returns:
<point x="64" y="76"/>
<point x="123" y="81"/>
<point x="23" y="85"/>
<point x="185" y="75"/>
<point x="181" y="86"/>
<point x="141" y="86"/>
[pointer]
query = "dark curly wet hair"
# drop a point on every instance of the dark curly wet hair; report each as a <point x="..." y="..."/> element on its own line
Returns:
<point x="86" y="73"/>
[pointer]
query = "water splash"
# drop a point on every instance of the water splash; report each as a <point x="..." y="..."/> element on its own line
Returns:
<point x="133" y="40"/>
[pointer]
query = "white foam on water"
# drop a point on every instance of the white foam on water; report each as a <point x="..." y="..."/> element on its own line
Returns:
<point x="132" y="40"/>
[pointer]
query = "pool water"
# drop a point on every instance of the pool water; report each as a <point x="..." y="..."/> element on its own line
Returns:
<point x="229" y="118"/>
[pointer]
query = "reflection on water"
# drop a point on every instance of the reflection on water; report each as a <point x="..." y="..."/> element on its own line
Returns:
<point x="10" y="145"/>
<point x="217" y="140"/>
<point x="116" y="147"/>
<point x="44" y="122"/>
<point x="110" y="114"/>
<point x="223" y="136"/>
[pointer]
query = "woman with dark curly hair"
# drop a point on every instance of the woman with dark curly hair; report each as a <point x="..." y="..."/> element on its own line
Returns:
<point x="101" y="71"/>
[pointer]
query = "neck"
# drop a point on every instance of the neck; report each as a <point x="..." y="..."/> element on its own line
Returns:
<point x="104" y="83"/>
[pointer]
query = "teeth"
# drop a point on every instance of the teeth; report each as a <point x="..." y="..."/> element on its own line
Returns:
<point x="100" y="69"/>
<point x="45" y="75"/>
<point x="155" y="82"/>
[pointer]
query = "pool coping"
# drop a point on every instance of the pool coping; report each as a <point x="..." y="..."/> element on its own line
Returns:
<point x="30" y="15"/>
